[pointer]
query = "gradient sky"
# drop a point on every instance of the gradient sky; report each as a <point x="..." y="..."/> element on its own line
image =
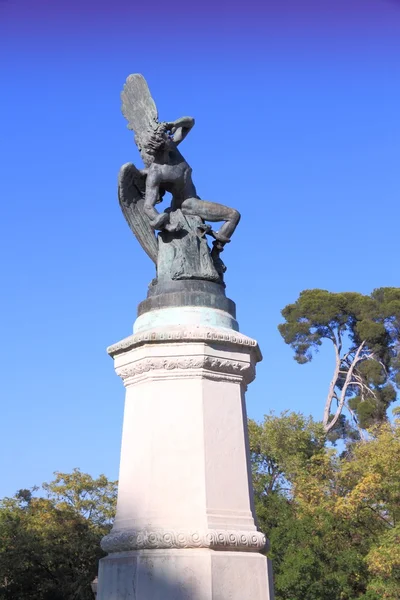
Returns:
<point x="297" y="126"/>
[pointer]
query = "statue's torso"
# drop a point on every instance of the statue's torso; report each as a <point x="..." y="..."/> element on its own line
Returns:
<point x="173" y="172"/>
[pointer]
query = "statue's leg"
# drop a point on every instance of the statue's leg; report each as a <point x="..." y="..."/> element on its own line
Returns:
<point x="157" y="220"/>
<point x="211" y="211"/>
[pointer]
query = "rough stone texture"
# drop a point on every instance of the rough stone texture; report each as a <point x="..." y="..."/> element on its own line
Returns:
<point x="184" y="575"/>
<point x="185" y="524"/>
<point x="184" y="254"/>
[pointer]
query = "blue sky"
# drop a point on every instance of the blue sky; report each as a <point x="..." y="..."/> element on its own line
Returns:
<point x="297" y="126"/>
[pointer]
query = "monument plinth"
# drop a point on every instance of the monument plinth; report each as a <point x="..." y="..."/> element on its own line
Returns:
<point x="185" y="523"/>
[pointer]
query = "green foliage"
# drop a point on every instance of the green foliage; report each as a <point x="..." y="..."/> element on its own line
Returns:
<point x="94" y="499"/>
<point x="332" y="521"/>
<point x="343" y="430"/>
<point x="50" y="547"/>
<point x="313" y="317"/>
<point x="280" y="447"/>
<point x="365" y="333"/>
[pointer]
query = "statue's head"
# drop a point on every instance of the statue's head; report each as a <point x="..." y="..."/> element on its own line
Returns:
<point x="157" y="139"/>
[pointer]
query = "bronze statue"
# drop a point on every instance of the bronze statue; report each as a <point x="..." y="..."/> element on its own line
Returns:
<point x="166" y="170"/>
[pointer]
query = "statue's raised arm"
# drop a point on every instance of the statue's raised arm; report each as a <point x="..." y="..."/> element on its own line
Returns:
<point x="180" y="128"/>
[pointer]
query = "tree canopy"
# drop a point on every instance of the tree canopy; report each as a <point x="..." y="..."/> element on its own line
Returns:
<point x="332" y="520"/>
<point x="50" y="546"/>
<point x="365" y="333"/>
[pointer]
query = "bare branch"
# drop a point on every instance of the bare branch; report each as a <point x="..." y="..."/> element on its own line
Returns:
<point x="339" y="338"/>
<point x="346" y="356"/>
<point x="333" y="337"/>
<point x="331" y="392"/>
<point x="354" y="417"/>
<point x="364" y="388"/>
<point x="382" y="365"/>
<point x="380" y="515"/>
<point x="328" y="425"/>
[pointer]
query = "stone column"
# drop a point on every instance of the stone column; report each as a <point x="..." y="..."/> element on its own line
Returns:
<point x="185" y="524"/>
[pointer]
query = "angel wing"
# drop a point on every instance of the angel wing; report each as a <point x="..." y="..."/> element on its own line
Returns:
<point x="131" y="189"/>
<point x="139" y="109"/>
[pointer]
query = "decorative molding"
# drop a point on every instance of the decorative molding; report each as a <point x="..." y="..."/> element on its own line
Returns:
<point x="179" y="333"/>
<point x="214" y="364"/>
<point x="215" y="539"/>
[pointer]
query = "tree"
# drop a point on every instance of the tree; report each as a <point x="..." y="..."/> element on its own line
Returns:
<point x="50" y="547"/>
<point x="365" y="334"/>
<point x="94" y="499"/>
<point x="333" y="520"/>
<point x="281" y="447"/>
<point x="293" y="474"/>
<point x="370" y="501"/>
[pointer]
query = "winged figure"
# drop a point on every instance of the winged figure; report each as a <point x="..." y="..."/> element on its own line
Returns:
<point x="166" y="170"/>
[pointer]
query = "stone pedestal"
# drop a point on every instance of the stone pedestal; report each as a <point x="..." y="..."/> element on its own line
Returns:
<point x="185" y="527"/>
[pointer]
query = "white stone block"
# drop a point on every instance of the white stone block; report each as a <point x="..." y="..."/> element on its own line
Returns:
<point x="185" y="523"/>
<point x="184" y="575"/>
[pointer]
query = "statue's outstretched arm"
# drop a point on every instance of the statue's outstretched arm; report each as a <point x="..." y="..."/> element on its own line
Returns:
<point x="180" y="128"/>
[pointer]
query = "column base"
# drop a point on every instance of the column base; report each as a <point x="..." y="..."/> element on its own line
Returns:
<point x="185" y="575"/>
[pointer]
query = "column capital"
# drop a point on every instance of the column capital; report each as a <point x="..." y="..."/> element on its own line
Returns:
<point x="182" y="351"/>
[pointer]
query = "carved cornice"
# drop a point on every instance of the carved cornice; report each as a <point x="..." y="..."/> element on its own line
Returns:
<point x="225" y="368"/>
<point x="179" y="333"/>
<point x="215" y="539"/>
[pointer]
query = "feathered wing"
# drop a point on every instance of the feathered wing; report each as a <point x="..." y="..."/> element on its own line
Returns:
<point x="140" y="111"/>
<point x="131" y="190"/>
